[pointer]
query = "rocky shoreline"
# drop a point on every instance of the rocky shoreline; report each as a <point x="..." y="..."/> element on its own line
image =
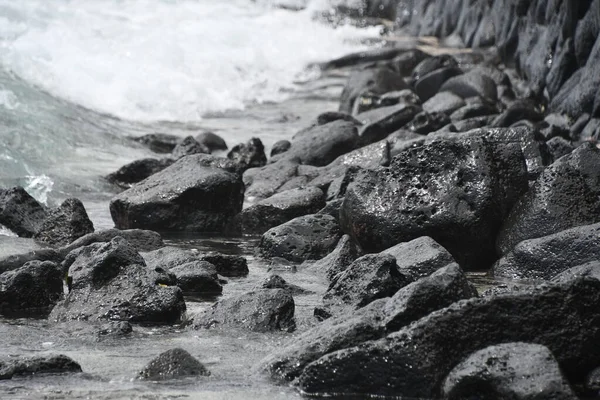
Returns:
<point x="435" y="165"/>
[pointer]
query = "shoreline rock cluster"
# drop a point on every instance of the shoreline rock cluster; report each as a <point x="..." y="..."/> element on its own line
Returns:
<point x="434" y="165"/>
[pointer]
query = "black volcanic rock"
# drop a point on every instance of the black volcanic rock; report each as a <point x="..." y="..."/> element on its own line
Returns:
<point x="249" y="155"/>
<point x="64" y="224"/>
<point x="138" y="170"/>
<point x="22" y="366"/>
<point x="189" y="146"/>
<point x="20" y="212"/>
<point x="173" y="364"/>
<point x="212" y="141"/>
<point x="159" y="142"/>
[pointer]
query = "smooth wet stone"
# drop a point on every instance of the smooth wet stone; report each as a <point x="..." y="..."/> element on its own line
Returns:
<point x="111" y="282"/>
<point x="547" y="256"/>
<point x="65" y="224"/>
<point x="173" y="364"/>
<point x="565" y="195"/>
<point x="188" y="146"/>
<point x="456" y="192"/>
<point x="415" y="361"/>
<point x="138" y="170"/>
<point x="381" y="122"/>
<point x="431" y="64"/>
<point x="261" y="310"/>
<point x="309" y="237"/>
<point x="228" y="265"/>
<point x="446" y="102"/>
<point x="20" y="212"/>
<point x="518" y="111"/>
<point x="140" y="239"/>
<point x="212" y="141"/>
<point x="368" y="278"/>
<point x="375" y="80"/>
<point x="198" y="278"/>
<point x="159" y="142"/>
<point x="428" y="85"/>
<point x="280" y="208"/>
<point x="470" y="84"/>
<point x="186" y="196"/>
<point x="520" y="371"/>
<point x="420" y="257"/>
<point x="473" y="111"/>
<point x="31" y="290"/>
<point x="249" y="155"/>
<point x="281" y="146"/>
<point x="338" y="260"/>
<point x="24" y="366"/>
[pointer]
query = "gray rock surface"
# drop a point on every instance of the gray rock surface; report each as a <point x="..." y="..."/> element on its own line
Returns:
<point x="20" y="212"/>
<point x="65" y="224"/>
<point x="173" y="364"/>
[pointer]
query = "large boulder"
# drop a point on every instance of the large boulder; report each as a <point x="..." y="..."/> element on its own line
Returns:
<point x="20" y="212"/>
<point x="309" y="237"/>
<point x="65" y="224"/>
<point x="280" y="208"/>
<point x="546" y="257"/>
<point x="138" y="170"/>
<point x="415" y="361"/>
<point x="455" y="191"/>
<point x="110" y="281"/>
<point x="519" y="371"/>
<point x="565" y="195"/>
<point x="420" y="257"/>
<point x="31" y="290"/>
<point x="261" y="310"/>
<point x="173" y="364"/>
<point x="183" y="197"/>
<point x="51" y="364"/>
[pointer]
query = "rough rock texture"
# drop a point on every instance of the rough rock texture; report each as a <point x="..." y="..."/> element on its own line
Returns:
<point x="280" y="208"/>
<point x="370" y="277"/>
<point x="185" y="197"/>
<point x="140" y="239"/>
<point x="546" y="257"/>
<point x="110" y="281"/>
<point x="138" y="170"/>
<point x="173" y="364"/>
<point x="226" y="264"/>
<point x="188" y="146"/>
<point x="20" y="212"/>
<point x="277" y="282"/>
<point x="64" y="224"/>
<point x="249" y="155"/>
<point x="198" y="278"/>
<point x="456" y="192"/>
<point x="31" y="289"/>
<point x="520" y="371"/>
<point x="565" y="195"/>
<point x="414" y="361"/>
<point x="339" y="259"/>
<point x="264" y="182"/>
<point x="261" y="310"/>
<point x="212" y="141"/>
<point x="51" y="364"/>
<point x="380" y="122"/>
<point x="420" y="257"/>
<point x="310" y="237"/>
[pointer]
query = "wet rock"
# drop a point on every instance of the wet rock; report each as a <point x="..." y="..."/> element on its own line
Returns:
<point x="564" y="196"/>
<point x="374" y="80"/>
<point x="188" y="146"/>
<point x="173" y="364"/>
<point x="309" y="237"/>
<point x="281" y="146"/>
<point x="338" y="260"/>
<point x="52" y="364"/>
<point x="197" y="277"/>
<point x="415" y="361"/>
<point x="518" y="111"/>
<point x="425" y="295"/>
<point x="281" y="208"/>
<point x="249" y="155"/>
<point x="137" y="171"/>
<point x="116" y="329"/>
<point x="381" y="122"/>
<point x="186" y="196"/>
<point x="330" y="116"/>
<point x="431" y="64"/>
<point x="591" y="269"/>
<point x="330" y="335"/>
<point x="211" y="141"/>
<point x="261" y="310"/>
<point x="13" y="261"/>
<point x="140" y="239"/>
<point x="226" y="264"/>
<point x="471" y="123"/>
<point x="277" y="282"/>
<point x="20" y="212"/>
<point x="592" y="383"/>
<point x="471" y="84"/>
<point x="591" y="132"/>
<point x="508" y="371"/>
<point x="64" y="224"/>
<point x="446" y="102"/>
<point x="159" y="142"/>
<point x="473" y="111"/>
<point x="546" y="257"/>
<point x="558" y="147"/>
<point x="370" y="277"/>
<point x="420" y="257"/>
<point x="428" y="85"/>
<point x="587" y="32"/>
<point x="456" y="192"/>
<point x="31" y="290"/>
<point x="111" y="282"/>
<point x="425" y="123"/>
<point x="264" y="182"/>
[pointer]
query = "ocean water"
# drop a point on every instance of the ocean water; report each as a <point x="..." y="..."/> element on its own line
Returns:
<point x="78" y="77"/>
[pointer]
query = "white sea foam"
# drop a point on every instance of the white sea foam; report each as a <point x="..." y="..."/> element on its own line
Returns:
<point x="151" y="60"/>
